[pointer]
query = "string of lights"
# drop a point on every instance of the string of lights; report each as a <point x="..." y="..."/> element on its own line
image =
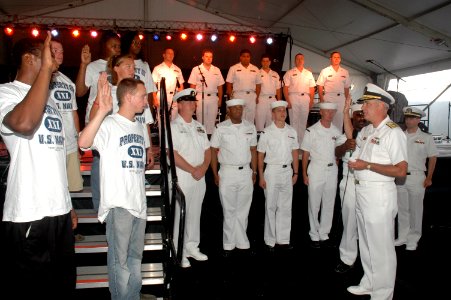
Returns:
<point x="158" y="30"/>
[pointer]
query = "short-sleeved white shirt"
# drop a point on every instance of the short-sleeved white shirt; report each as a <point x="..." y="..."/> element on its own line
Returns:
<point x="420" y="146"/>
<point x="270" y="82"/>
<point x="120" y="143"/>
<point x="278" y="144"/>
<point x="244" y="79"/>
<point x="213" y="79"/>
<point x="189" y="140"/>
<point x="234" y="142"/>
<point x="37" y="179"/>
<point x="172" y="74"/>
<point x="334" y="81"/>
<point x="320" y="142"/>
<point x="62" y="92"/>
<point x="93" y="71"/>
<point x="142" y="72"/>
<point x="299" y="82"/>
<point x="386" y="144"/>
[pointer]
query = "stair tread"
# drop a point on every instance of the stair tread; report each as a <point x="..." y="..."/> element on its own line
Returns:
<point x="98" y="243"/>
<point x="90" y="215"/>
<point x="97" y="276"/>
<point x="153" y="190"/>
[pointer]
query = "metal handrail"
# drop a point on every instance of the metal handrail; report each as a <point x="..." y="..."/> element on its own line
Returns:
<point x="177" y="194"/>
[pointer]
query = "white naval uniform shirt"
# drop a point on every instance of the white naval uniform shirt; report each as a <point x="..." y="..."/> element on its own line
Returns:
<point x="142" y="72"/>
<point x="385" y="144"/>
<point x="62" y="91"/>
<point x="172" y="74"/>
<point x="270" y="83"/>
<point x="278" y="144"/>
<point x="420" y="146"/>
<point x="243" y="79"/>
<point x="234" y="141"/>
<point x="334" y="82"/>
<point x="320" y="142"/>
<point x="213" y="78"/>
<point x="299" y="82"/>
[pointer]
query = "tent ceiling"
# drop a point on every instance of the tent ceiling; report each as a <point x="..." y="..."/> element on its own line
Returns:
<point x="394" y="34"/>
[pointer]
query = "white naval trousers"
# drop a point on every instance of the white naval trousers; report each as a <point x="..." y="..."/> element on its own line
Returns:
<point x="376" y="209"/>
<point x="263" y="114"/>
<point x="410" y="208"/>
<point x="235" y="192"/>
<point x="194" y="192"/>
<point x="348" y="245"/>
<point x="211" y="111"/>
<point x="340" y="100"/>
<point x="279" y="198"/>
<point x="322" y="190"/>
<point x="298" y="113"/>
<point x="250" y="104"/>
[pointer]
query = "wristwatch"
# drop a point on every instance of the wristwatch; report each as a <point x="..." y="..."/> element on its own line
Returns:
<point x="368" y="166"/>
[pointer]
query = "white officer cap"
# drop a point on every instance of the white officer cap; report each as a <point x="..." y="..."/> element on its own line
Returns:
<point x="234" y="102"/>
<point x="279" y="103"/>
<point x="328" y="105"/>
<point x="373" y="92"/>
<point x="185" y="95"/>
<point x="412" y="111"/>
<point x="356" y="107"/>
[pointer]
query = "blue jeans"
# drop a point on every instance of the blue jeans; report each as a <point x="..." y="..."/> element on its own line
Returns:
<point x="95" y="182"/>
<point x="125" y="236"/>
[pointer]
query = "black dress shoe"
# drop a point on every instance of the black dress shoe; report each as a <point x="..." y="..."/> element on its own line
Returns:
<point x="342" y="267"/>
<point x="315" y="244"/>
<point x="327" y="244"/>
<point x="269" y="249"/>
<point x="227" y="253"/>
<point x="284" y="246"/>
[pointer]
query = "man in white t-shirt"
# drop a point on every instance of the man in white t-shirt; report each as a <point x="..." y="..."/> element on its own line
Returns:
<point x="62" y="91"/>
<point x="39" y="239"/>
<point x="120" y="140"/>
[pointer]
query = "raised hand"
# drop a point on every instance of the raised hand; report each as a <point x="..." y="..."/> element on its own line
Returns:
<point x="104" y="98"/>
<point x="47" y="59"/>
<point x="85" y="55"/>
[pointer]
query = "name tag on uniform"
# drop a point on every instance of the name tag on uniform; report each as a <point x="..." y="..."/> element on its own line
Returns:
<point x="200" y="130"/>
<point x="375" y="141"/>
<point x="419" y="142"/>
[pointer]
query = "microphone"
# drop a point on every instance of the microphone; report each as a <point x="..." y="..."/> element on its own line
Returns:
<point x="354" y="136"/>
<point x="370" y="60"/>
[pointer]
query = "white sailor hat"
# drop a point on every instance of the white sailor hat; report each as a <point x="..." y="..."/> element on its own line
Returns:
<point x="185" y="95"/>
<point x="373" y="92"/>
<point x="279" y="103"/>
<point x="412" y="111"/>
<point x="234" y="102"/>
<point x="356" y="107"/>
<point x="328" y="105"/>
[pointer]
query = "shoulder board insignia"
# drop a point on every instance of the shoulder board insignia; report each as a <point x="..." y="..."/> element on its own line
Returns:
<point x="392" y="124"/>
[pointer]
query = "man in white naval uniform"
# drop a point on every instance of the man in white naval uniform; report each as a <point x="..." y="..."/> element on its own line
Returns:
<point x="321" y="174"/>
<point x="380" y="156"/>
<point x="270" y="92"/>
<point x="348" y="245"/>
<point x="234" y="146"/>
<point x="192" y="156"/>
<point x="299" y="90"/>
<point x="212" y="90"/>
<point x="333" y="86"/>
<point x="174" y="80"/>
<point x="420" y="146"/>
<point x="278" y="148"/>
<point x="244" y="82"/>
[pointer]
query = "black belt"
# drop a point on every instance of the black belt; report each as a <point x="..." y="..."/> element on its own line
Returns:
<point x="284" y="166"/>
<point x="214" y="94"/>
<point x="240" y="168"/>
